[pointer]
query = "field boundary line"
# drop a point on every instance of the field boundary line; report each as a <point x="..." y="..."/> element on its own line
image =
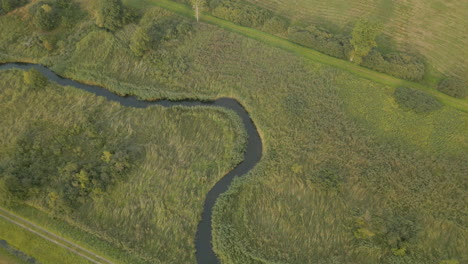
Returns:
<point x="60" y="241"/>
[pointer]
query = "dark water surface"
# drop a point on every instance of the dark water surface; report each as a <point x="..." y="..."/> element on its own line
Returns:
<point x="252" y="155"/>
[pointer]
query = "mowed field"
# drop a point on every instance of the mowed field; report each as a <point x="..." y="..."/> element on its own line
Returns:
<point x="437" y="29"/>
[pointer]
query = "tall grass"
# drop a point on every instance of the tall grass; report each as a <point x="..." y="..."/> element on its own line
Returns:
<point x="348" y="176"/>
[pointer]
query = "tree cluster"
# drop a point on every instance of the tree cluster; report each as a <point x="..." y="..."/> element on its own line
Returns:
<point x="65" y="167"/>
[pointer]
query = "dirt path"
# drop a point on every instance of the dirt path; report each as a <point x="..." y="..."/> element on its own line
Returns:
<point x="60" y="241"/>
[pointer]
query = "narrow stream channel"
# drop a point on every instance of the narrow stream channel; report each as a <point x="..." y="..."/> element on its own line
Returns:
<point x="252" y="155"/>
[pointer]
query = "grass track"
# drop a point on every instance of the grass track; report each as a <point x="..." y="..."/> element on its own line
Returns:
<point x="305" y="52"/>
<point x="61" y="242"/>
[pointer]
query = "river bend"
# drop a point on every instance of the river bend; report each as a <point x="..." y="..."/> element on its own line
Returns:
<point x="252" y="154"/>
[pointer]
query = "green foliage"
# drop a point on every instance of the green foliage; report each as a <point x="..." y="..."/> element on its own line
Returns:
<point x="9" y="5"/>
<point x="35" y="79"/>
<point x="276" y="25"/>
<point x="401" y="65"/>
<point x="454" y="87"/>
<point x="157" y="28"/>
<point x="140" y="42"/>
<point x="109" y="14"/>
<point x="363" y="39"/>
<point x="331" y="175"/>
<point x="321" y="40"/>
<point x="363" y="233"/>
<point x="415" y="100"/>
<point x="64" y="166"/>
<point x="242" y="13"/>
<point x="45" y="16"/>
<point x="113" y="170"/>
<point x="399" y="251"/>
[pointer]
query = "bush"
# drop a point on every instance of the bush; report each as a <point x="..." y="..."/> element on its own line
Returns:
<point x="35" y="79"/>
<point x="415" y="100"/>
<point x="156" y="27"/>
<point x="140" y="42"/>
<point x="242" y="13"/>
<point x="45" y="16"/>
<point x="64" y="166"/>
<point x="400" y="65"/>
<point x="334" y="45"/>
<point x="454" y="87"/>
<point x="276" y="25"/>
<point x="9" y="5"/>
<point x="109" y="14"/>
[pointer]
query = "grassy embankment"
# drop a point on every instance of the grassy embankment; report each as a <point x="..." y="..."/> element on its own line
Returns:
<point x="436" y="29"/>
<point x="348" y="175"/>
<point x="151" y="214"/>
<point x="43" y="251"/>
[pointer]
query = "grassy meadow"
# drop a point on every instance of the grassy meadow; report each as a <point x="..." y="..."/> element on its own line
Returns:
<point x="435" y="29"/>
<point x="348" y="175"/>
<point x="151" y="214"/>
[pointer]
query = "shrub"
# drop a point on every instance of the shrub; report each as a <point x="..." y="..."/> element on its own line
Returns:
<point x="415" y="100"/>
<point x="363" y="233"/>
<point x="45" y="16"/>
<point x="334" y="45"/>
<point x="400" y="65"/>
<point x="9" y="5"/>
<point x="109" y="14"/>
<point x="35" y="79"/>
<point x="276" y="25"/>
<point x="140" y="42"/>
<point x="454" y="87"/>
<point x="242" y="14"/>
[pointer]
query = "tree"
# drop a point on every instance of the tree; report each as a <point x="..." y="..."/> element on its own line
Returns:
<point x="35" y="79"/>
<point x="363" y="39"/>
<point x="198" y="5"/>
<point x="109" y="14"/>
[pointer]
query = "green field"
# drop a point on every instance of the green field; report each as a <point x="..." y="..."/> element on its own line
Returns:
<point x="348" y="175"/>
<point x="436" y="29"/>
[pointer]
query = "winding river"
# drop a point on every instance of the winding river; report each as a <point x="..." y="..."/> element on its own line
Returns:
<point x="252" y="154"/>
